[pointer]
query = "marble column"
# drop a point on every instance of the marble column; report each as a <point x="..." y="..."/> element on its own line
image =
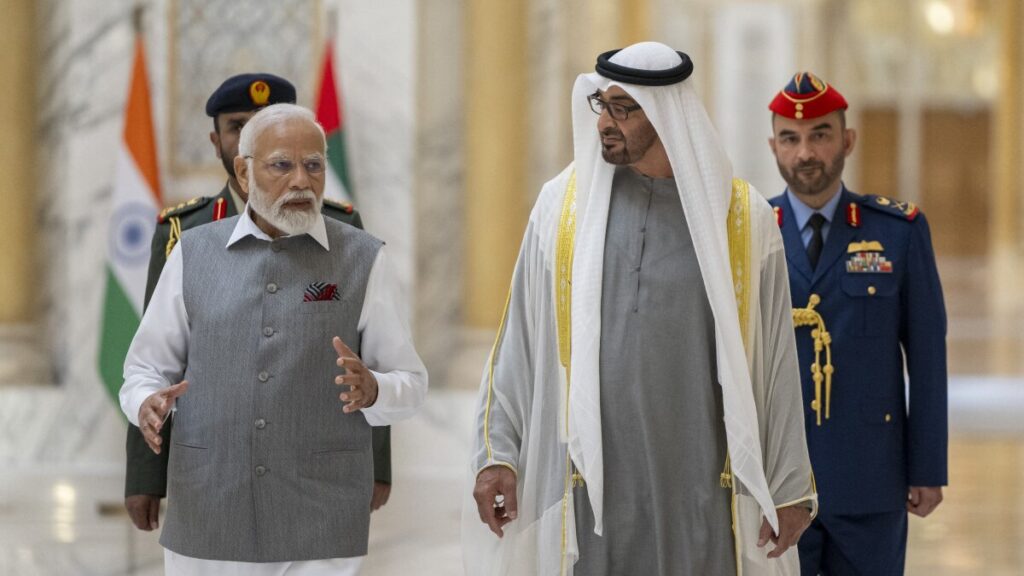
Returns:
<point x="687" y="26"/>
<point x="439" y="210"/>
<point x="83" y="65"/>
<point x="21" y="361"/>
<point x="376" y="54"/>
<point x="753" y="56"/>
<point x="17" y="164"/>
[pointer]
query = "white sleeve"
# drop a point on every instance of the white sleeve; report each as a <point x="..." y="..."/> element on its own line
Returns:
<point x="156" y="358"/>
<point x="386" y="348"/>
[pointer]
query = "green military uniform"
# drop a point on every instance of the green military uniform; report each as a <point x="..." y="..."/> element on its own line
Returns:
<point x="146" y="473"/>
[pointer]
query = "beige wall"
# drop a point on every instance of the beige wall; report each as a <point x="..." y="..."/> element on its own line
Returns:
<point x="17" y="163"/>
<point x="1008" y="130"/>
<point x="496" y="140"/>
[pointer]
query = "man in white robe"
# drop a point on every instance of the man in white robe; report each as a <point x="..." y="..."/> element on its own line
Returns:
<point x="539" y="435"/>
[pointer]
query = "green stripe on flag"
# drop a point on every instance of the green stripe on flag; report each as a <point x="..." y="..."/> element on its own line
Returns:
<point x="337" y="158"/>
<point x="120" y="321"/>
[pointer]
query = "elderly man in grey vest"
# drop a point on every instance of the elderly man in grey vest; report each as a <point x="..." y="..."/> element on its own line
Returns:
<point x="276" y="379"/>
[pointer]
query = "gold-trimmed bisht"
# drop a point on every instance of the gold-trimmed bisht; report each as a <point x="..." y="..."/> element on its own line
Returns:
<point x="564" y="251"/>
<point x="739" y="263"/>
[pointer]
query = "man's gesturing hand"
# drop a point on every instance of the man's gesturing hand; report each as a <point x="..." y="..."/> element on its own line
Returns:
<point x="793" y="520"/>
<point x="495" y="495"/>
<point x="363" y="385"/>
<point x="154" y="411"/>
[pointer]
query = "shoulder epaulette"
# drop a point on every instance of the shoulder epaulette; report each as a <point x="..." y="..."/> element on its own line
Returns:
<point x="905" y="210"/>
<point x="345" y="207"/>
<point x="183" y="208"/>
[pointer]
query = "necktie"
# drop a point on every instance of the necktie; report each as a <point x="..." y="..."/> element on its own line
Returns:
<point x="817" y="241"/>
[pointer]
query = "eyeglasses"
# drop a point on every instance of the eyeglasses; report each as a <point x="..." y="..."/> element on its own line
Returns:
<point x="616" y="110"/>
<point x="283" y="166"/>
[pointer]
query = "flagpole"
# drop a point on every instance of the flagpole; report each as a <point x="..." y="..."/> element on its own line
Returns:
<point x="137" y="12"/>
<point x="332" y="23"/>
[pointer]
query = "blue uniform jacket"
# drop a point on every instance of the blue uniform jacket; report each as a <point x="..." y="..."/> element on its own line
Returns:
<point x="882" y="303"/>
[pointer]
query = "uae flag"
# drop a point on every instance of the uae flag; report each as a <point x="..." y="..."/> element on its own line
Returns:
<point x="328" y="113"/>
<point x="132" y="220"/>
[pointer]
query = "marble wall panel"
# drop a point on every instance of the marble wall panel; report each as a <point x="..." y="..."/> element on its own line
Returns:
<point x="438" y="206"/>
<point x="376" y="55"/>
<point x="84" y="62"/>
<point x="754" y="56"/>
<point x="84" y="58"/>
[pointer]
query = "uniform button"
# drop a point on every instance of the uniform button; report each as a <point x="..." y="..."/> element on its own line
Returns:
<point x="275" y="247"/>
<point x="268" y="331"/>
<point x="263" y="376"/>
<point x="272" y="288"/>
<point x="261" y="470"/>
<point x="888" y="417"/>
<point x="261" y="424"/>
<point x="872" y="290"/>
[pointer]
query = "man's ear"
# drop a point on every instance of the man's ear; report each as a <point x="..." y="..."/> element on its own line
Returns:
<point x="849" y="141"/>
<point x="215" y="140"/>
<point x="771" y="144"/>
<point x="241" y="172"/>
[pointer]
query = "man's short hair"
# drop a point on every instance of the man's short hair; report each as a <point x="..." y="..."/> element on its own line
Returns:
<point x="268" y="117"/>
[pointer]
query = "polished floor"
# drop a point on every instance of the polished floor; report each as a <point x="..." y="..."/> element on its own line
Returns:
<point x="68" y="521"/>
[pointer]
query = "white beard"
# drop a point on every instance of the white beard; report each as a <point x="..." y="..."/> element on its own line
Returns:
<point x="289" y="221"/>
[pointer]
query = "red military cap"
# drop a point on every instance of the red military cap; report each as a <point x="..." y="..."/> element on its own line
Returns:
<point x="807" y="96"/>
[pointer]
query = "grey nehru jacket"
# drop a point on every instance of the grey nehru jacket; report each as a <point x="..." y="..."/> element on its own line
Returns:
<point x="265" y="466"/>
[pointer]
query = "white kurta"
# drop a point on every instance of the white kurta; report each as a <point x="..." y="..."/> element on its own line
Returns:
<point x="158" y="354"/>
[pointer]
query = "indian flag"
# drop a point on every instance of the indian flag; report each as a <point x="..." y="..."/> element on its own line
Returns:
<point x="132" y="220"/>
<point x="328" y="113"/>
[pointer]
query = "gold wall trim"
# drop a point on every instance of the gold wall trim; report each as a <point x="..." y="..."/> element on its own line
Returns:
<point x="497" y="117"/>
<point x="19" y="185"/>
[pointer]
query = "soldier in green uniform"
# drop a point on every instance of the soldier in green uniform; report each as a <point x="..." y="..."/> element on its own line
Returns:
<point x="230" y="106"/>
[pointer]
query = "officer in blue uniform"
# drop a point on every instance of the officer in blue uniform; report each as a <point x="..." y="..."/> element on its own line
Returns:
<point x="867" y="307"/>
<point x="231" y="105"/>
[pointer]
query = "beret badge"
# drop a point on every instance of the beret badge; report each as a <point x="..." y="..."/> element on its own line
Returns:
<point x="259" y="91"/>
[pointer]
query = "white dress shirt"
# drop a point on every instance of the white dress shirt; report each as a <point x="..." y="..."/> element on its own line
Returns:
<point x="159" y="351"/>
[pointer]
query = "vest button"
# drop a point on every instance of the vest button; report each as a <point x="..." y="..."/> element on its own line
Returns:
<point x="275" y="247"/>
<point x="272" y="288"/>
<point x="261" y="424"/>
<point x="261" y="470"/>
<point x="263" y="376"/>
<point x="268" y="331"/>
